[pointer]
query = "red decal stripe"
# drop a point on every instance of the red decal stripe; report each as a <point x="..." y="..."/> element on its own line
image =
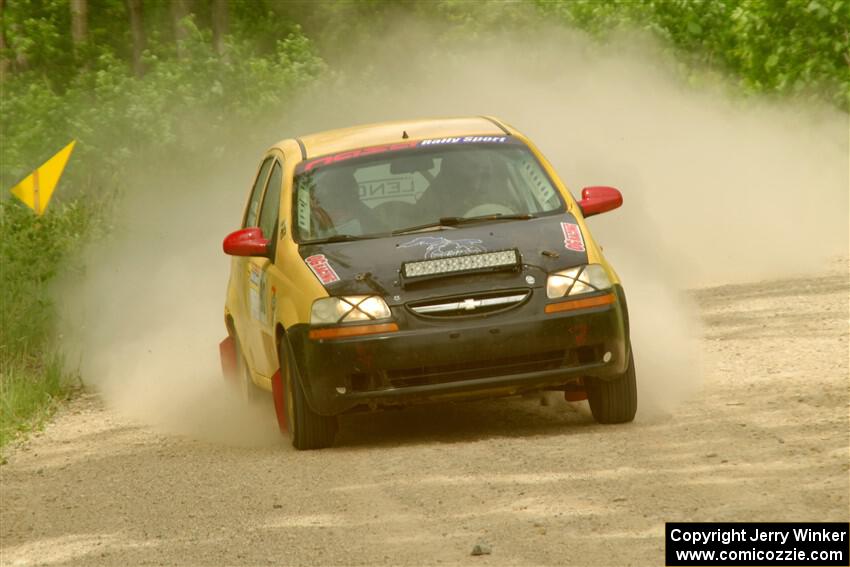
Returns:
<point x="350" y="154"/>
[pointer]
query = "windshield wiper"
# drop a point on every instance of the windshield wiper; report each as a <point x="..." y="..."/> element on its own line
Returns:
<point x="338" y="238"/>
<point x="497" y="216"/>
<point x="456" y="221"/>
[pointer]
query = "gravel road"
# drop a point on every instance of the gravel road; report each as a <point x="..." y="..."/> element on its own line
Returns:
<point x="765" y="438"/>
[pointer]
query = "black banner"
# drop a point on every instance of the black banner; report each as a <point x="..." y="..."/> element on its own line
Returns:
<point x="763" y="544"/>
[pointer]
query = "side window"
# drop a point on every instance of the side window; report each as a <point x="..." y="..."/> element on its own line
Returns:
<point x="256" y="193"/>
<point x="271" y="203"/>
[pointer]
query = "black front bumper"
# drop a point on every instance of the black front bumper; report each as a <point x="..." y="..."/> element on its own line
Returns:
<point x="520" y="350"/>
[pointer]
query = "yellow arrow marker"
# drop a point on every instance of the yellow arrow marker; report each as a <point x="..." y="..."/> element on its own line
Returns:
<point x="35" y="191"/>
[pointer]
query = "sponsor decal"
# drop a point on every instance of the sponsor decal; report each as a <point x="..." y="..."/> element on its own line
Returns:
<point x="303" y="207"/>
<point x="255" y="285"/>
<point x="573" y="239"/>
<point x="440" y="247"/>
<point x="320" y="266"/>
<point x="384" y="188"/>
<point x="263" y="286"/>
<point x="464" y="140"/>
<point x="541" y="187"/>
<point x="360" y="152"/>
<point x="255" y="274"/>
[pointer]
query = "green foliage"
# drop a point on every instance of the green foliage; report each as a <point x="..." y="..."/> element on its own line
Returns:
<point x="177" y="104"/>
<point x="33" y="251"/>
<point x="787" y="47"/>
<point x="181" y="103"/>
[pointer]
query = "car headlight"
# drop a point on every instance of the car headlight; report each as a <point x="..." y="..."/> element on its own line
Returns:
<point x="578" y="280"/>
<point x="348" y="308"/>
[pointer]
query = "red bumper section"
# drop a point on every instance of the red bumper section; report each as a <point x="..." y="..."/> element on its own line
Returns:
<point x="227" y="352"/>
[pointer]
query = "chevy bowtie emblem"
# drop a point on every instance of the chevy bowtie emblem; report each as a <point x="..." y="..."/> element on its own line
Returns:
<point x="470" y="304"/>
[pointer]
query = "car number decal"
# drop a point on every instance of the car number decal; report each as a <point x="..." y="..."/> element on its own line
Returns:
<point x="323" y="270"/>
<point x="573" y="239"/>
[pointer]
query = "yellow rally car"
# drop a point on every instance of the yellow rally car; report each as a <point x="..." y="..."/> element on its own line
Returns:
<point x="403" y="262"/>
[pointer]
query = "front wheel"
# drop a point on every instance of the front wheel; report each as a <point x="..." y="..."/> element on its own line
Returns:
<point x="307" y="429"/>
<point x="614" y="401"/>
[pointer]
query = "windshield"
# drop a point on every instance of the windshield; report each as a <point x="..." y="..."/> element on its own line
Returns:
<point x="395" y="190"/>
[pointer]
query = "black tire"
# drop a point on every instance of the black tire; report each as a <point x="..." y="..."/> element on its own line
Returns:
<point x="307" y="429"/>
<point x="247" y="389"/>
<point x="614" y="401"/>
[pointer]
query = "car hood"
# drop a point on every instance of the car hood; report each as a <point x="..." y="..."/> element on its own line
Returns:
<point x="373" y="266"/>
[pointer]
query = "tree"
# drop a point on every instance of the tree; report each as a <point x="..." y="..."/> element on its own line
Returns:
<point x="79" y="23"/>
<point x="179" y="10"/>
<point x="137" y="31"/>
<point x="219" y="24"/>
<point x="4" y="61"/>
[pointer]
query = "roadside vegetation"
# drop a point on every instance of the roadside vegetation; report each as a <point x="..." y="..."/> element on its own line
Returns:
<point x="138" y="80"/>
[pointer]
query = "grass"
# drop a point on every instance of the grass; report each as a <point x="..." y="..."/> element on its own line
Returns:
<point x="33" y="251"/>
<point x="30" y="392"/>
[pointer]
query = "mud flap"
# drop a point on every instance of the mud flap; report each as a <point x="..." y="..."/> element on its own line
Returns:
<point x="575" y="395"/>
<point x="227" y="352"/>
<point x="575" y="391"/>
<point x="279" y="395"/>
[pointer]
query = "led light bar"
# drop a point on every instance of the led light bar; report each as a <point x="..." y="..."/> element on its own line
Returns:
<point x="468" y="263"/>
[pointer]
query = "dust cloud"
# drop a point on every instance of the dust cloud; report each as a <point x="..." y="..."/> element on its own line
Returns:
<point x="717" y="190"/>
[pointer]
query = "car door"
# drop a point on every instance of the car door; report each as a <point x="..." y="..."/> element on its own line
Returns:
<point x="241" y="265"/>
<point x="262" y="293"/>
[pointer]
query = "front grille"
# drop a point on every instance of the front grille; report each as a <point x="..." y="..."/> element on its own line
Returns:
<point x="470" y="305"/>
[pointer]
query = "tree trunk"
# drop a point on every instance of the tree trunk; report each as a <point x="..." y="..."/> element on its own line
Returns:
<point x="17" y="61"/>
<point x="4" y="61"/>
<point x="137" y="30"/>
<point x="79" y="23"/>
<point x="219" y="24"/>
<point x="179" y="10"/>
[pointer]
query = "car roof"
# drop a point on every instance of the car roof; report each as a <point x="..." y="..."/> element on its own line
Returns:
<point x="340" y="140"/>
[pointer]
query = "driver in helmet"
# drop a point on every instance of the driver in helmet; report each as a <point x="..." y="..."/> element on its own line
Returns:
<point x="466" y="182"/>
<point x="336" y="206"/>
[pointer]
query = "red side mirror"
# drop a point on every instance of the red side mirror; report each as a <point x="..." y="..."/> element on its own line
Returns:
<point x="246" y="242"/>
<point x="601" y="199"/>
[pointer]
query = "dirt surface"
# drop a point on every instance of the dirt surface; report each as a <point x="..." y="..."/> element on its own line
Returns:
<point x="765" y="438"/>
